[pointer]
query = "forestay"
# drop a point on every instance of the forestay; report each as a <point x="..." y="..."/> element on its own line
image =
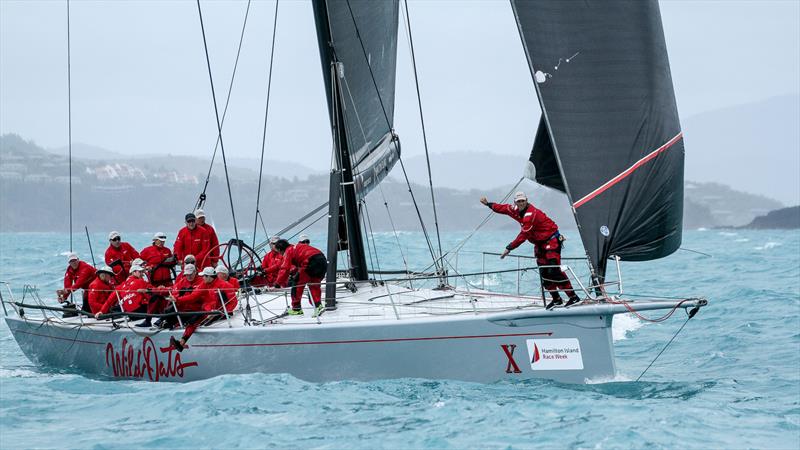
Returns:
<point x="610" y="136"/>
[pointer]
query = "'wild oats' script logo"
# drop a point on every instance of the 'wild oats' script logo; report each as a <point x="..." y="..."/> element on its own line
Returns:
<point x="148" y="361"/>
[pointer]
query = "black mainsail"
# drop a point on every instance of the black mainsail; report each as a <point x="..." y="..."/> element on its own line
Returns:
<point x="610" y="137"/>
<point x="358" y="51"/>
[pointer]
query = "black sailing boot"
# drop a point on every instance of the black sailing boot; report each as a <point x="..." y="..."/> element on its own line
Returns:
<point x="573" y="299"/>
<point x="556" y="302"/>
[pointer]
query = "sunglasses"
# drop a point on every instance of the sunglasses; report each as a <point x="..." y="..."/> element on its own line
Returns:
<point x="190" y="221"/>
<point x="116" y="239"/>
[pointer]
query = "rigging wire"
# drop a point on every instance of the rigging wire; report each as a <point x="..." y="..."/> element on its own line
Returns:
<point x="219" y="124"/>
<point x="457" y="248"/>
<point x="422" y="122"/>
<point x="362" y="206"/>
<point x="690" y="315"/>
<point x="264" y="135"/>
<point x="394" y="229"/>
<point x="202" y="197"/>
<point x="69" y="122"/>
<point x="436" y="260"/>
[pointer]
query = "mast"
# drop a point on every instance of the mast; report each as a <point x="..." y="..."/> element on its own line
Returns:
<point x="342" y="188"/>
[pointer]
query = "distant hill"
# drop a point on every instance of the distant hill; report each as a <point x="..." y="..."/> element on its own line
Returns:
<point x="780" y="219"/>
<point x="153" y="193"/>
<point x="242" y="167"/>
<point x="753" y="147"/>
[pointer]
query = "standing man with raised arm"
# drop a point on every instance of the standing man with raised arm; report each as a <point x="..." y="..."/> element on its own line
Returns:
<point x="542" y="232"/>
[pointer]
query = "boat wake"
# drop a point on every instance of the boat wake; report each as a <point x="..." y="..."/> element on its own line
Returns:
<point x="624" y="324"/>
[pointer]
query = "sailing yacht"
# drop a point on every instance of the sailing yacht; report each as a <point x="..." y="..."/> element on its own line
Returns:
<point x="609" y="139"/>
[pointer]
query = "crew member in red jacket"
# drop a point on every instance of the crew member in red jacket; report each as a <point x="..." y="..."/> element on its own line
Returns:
<point x="213" y="240"/>
<point x="119" y="256"/>
<point x="132" y="296"/>
<point x="101" y="288"/>
<point x="542" y="232"/>
<point x="191" y="240"/>
<point x="159" y="262"/>
<point x="184" y="294"/>
<point x="233" y="300"/>
<point x="311" y="266"/>
<point x="272" y="262"/>
<point x="215" y="293"/>
<point x="79" y="275"/>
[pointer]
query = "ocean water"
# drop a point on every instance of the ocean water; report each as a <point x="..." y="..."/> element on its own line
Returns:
<point x="731" y="379"/>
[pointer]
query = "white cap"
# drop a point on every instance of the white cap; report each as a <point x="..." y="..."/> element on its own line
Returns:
<point x="72" y="256"/>
<point x="221" y="268"/>
<point x="274" y="239"/>
<point x="199" y="213"/>
<point x="161" y="236"/>
<point x="208" y="272"/>
<point x="303" y="237"/>
<point x="113" y="234"/>
<point x="189" y="268"/>
<point x="137" y="262"/>
<point x="105" y="269"/>
<point x="136" y="268"/>
<point x="187" y="257"/>
<point x="520" y="196"/>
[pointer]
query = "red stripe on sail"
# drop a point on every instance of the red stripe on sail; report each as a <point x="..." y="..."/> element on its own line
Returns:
<point x="628" y="171"/>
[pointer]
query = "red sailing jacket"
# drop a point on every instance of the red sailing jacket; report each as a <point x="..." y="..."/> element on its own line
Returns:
<point x="295" y="255"/>
<point x="233" y="299"/>
<point x="211" y="291"/>
<point x="154" y="256"/>
<point x="272" y="265"/>
<point x="535" y="226"/>
<point x="99" y="291"/>
<point x="131" y="300"/>
<point x="125" y="254"/>
<point x="192" y="242"/>
<point x="79" y="278"/>
<point x="187" y="295"/>
<point x="213" y="245"/>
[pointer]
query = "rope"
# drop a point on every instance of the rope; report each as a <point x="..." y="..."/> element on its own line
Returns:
<point x="422" y="122"/>
<point x="69" y="122"/>
<point x="264" y="135"/>
<point x="201" y="200"/>
<point x="633" y="311"/>
<point x="219" y="124"/>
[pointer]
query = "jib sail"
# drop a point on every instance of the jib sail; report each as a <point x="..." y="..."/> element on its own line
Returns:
<point x="610" y="137"/>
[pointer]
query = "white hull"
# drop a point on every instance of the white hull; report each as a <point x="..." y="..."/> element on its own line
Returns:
<point x="486" y="344"/>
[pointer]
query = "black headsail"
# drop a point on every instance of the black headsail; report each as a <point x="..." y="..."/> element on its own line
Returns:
<point x="358" y="50"/>
<point x="610" y="137"/>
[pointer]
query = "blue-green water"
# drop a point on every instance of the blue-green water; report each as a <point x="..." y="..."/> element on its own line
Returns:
<point x="730" y="380"/>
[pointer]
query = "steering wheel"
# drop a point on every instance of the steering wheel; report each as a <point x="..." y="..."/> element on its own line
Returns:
<point x="241" y="260"/>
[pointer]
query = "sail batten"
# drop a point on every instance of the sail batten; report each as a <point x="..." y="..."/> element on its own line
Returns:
<point x="609" y="137"/>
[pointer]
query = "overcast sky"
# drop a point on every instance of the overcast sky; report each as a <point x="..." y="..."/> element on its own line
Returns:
<point x="140" y="84"/>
